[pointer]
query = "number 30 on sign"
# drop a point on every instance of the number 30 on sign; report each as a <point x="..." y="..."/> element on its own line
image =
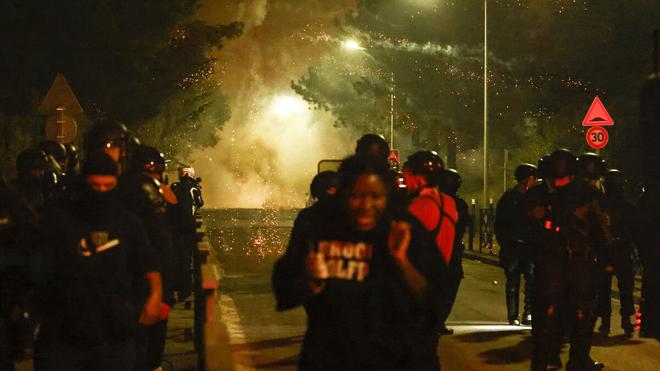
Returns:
<point x="597" y="137"/>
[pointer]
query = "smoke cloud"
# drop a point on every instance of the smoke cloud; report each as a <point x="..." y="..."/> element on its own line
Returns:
<point x="269" y="149"/>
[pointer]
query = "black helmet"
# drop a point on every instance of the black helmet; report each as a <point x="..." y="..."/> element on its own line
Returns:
<point x="372" y="145"/>
<point x="149" y="159"/>
<point x="524" y="171"/>
<point x="450" y="181"/>
<point x="73" y="156"/>
<point x="106" y="134"/>
<point x="425" y="162"/>
<point x="31" y="159"/>
<point x="54" y="149"/>
<point x="591" y="165"/>
<point x="72" y="152"/>
<point x="543" y="167"/>
<point x="562" y="162"/>
<point x="322" y="182"/>
<point x="614" y="182"/>
<point x="98" y="163"/>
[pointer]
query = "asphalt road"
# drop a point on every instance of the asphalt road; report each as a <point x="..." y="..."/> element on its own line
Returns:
<point x="249" y="241"/>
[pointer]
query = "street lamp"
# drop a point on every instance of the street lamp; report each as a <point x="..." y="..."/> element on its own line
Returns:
<point x="485" y="195"/>
<point x="353" y="45"/>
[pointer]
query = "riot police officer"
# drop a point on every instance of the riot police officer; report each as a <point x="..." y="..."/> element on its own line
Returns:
<point x="566" y="232"/>
<point x="18" y="227"/>
<point x="438" y="212"/>
<point x="620" y="216"/>
<point x="31" y="180"/>
<point x="512" y="231"/>
<point x="648" y="242"/>
<point x="592" y="168"/>
<point x="188" y="193"/>
<point x="450" y="183"/>
<point x="372" y="145"/>
<point x="112" y="138"/>
<point x="143" y="193"/>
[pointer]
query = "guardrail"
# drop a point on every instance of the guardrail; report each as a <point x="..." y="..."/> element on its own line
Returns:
<point x="211" y="337"/>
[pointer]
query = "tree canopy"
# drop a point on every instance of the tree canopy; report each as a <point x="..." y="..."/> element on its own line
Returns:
<point x="143" y="62"/>
<point x="547" y="62"/>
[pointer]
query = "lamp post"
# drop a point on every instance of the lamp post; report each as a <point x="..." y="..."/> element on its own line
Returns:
<point x="485" y="195"/>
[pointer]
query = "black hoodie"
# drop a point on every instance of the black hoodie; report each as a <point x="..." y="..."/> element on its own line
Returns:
<point x="365" y="318"/>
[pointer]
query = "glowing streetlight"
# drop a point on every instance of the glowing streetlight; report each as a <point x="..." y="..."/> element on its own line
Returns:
<point x="285" y="106"/>
<point x="352" y="45"/>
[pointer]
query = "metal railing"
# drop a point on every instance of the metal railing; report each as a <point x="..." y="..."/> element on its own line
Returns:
<point x="482" y="222"/>
<point x="211" y="338"/>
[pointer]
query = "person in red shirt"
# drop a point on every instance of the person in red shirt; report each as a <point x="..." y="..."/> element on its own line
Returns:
<point x="434" y="209"/>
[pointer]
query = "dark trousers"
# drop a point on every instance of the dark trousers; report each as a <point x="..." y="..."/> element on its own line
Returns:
<point x="150" y="345"/>
<point x="567" y="287"/>
<point x="515" y="266"/>
<point x="6" y="362"/>
<point x="59" y="355"/>
<point x="454" y="283"/>
<point x="650" y="307"/>
<point x="623" y="269"/>
<point x="183" y="271"/>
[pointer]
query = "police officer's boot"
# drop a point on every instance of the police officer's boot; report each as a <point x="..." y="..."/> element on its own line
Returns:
<point x="588" y="365"/>
<point x="627" y="327"/>
<point x="512" y="307"/>
<point x="604" y="328"/>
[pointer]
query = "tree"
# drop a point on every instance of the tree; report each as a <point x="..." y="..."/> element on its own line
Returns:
<point x="124" y="59"/>
<point x="547" y="61"/>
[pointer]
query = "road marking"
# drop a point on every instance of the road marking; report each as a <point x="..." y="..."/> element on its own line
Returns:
<point x="232" y="320"/>
<point x="471" y="328"/>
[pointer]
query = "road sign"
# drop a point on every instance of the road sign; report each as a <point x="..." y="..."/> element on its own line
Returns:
<point x="597" y="137"/>
<point x="60" y="95"/>
<point x="394" y="155"/>
<point x="597" y="115"/>
<point x="61" y="129"/>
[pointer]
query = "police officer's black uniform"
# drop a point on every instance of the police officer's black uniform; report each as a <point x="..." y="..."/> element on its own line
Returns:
<point x="142" y="195"/>
<point x="567" y="235"/>
<point x="99" y="257"/>
<point x="648" y="241"/>
<point x="620" y="214"/>
<point x="18" y="226"/>
<point x="450" y="184"/>
<point x="512" y="230"/>
<point x="189" y="197"/>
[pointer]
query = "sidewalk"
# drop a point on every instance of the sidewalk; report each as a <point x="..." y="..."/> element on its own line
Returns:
<point x="486" y="257"/>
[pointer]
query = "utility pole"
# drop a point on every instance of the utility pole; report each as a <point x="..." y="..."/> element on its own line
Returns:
<point x="485" y="195"/>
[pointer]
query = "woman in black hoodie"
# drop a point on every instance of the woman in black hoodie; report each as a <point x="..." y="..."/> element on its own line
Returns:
<point x="367" y="275"/>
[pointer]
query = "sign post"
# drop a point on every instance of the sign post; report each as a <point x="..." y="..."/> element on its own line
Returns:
<point x="597" y="117"/>
<point x="60" y="98"/>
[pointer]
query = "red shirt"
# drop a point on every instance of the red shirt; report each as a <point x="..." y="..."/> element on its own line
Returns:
<point x="427" y="208"/>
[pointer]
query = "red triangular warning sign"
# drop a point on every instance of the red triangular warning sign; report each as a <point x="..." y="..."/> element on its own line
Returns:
<point x="60" y="95"/>
<point x="597" y="115"/>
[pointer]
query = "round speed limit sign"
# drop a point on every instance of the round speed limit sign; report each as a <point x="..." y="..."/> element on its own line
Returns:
<point x="597" y="137"/>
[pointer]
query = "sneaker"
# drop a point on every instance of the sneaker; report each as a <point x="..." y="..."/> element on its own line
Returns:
<point x="526" y="319"/>
<point x="514" y="322"/>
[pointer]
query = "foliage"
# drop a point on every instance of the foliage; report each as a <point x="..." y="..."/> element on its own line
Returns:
<point x="124" y="59"/>
<point x="547" y="61"/>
